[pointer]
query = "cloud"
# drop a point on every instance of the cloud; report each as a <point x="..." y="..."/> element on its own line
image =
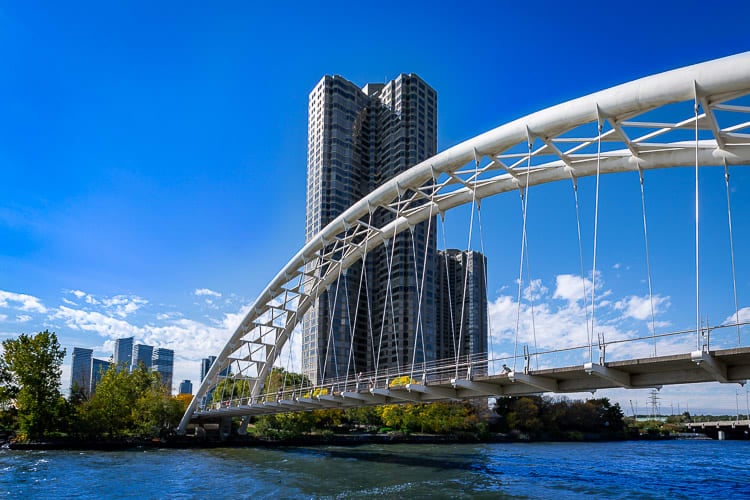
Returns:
<point x="189" y="338"/>
<point x="558" y="321"/>
<point x="3" y="317"/>
<point x="124" y="305"/>
<point x="205" y="291"/>
<point x="23" y="318"/>
<point x="120" y="305"/>
<point x="640" y="307"/>
<point x="21" y="302"/>
<point x="571" y="287"/>
<point x="744" y="316"/>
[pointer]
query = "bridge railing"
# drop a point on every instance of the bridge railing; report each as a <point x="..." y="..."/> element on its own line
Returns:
<point x="477" y="367"/>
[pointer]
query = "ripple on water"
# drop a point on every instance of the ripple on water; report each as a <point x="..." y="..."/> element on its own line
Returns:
<point x="508" y="470"/>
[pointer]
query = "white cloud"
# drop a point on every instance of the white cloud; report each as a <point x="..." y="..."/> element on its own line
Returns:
<point x="571" y="287"/>
<point x="21" y="302"/>
<point x="617" y="266"/>
<point x="124" y="305"/>
<point x="205" y="291"/>
<point x="168" y="315"/>
<point x="23" y="318"/>
<point x="120" y="305"/>
<point x="3" y="317"/>
<point x="640" y="307"/>
<point x="558" y="321"/>
<point x="744" y="316"/>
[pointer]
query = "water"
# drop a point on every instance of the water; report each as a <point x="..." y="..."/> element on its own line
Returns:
<point x="667" y="469"/>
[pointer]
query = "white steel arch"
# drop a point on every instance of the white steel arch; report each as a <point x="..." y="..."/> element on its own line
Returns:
<point x="498" y="161"/>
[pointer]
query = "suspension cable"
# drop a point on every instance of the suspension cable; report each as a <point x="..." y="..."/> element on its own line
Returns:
<point x="731" y="248"/>
<point x="589" y="338"/>
<point x="420" y="326"/>
<point x="389" y="265"/>
<point x="596" y="229"/>
<point x="488" y="320"/>
<point x="648" y="258"/>
<point x="697" y="233"/>
<point x="448" y="281"/>
<point x="523" y="191"/>
<point x="419" y="296"/>
<point x="531" y="301"/>
<point x="353" y="326"/>
<point x="466" y="266"/>
<point x="528" y="266"/>
<point x="331" y="316"/>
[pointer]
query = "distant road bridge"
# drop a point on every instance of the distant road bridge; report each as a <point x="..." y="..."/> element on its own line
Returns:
<point x="555" y="144"/>
<point x="722" y="429"/>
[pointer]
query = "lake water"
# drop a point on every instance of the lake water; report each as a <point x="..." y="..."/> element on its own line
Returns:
<point x="664" y="469"/>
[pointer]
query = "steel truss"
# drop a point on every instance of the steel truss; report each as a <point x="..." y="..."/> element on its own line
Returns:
<point x="557" y="143"/>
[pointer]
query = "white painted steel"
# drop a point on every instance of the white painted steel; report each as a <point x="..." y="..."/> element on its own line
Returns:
<point x="442" y="183"/>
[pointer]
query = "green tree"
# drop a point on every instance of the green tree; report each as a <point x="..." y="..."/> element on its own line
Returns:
<point x="229" y="388"/>
<point x="31" y="366"/>
<point x="110" y="408"/>
<point x="525" y="415"/>
<point x="155" y="411"/>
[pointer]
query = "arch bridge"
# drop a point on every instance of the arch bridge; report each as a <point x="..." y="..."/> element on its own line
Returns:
<point x="608" y="132"/>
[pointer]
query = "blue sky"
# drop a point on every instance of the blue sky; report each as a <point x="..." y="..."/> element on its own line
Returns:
<point x="152" y="155"/>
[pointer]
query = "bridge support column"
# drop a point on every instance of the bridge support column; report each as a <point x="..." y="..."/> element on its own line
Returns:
<point x="242" y="430"/>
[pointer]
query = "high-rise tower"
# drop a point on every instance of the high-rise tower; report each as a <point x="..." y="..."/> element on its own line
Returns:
<point x="123" y="354"/>
<point x="142" y="355"/>
<point x="462" y="306"/>
<point x="80" y="370"/>
<point x="358" y="138"/>
<point x="163" y="364"/>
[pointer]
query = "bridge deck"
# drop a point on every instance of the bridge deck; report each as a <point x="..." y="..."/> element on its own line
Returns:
<point x="728" y="366"/>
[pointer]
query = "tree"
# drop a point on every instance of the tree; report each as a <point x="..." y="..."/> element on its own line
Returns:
<point x="31" y="366"/>
<point x="229" y="388"/>
<point x="110" y="408"/>
<point x="525" y="416"/>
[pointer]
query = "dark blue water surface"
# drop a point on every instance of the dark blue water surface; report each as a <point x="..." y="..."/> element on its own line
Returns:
<point x="666" y="469"/>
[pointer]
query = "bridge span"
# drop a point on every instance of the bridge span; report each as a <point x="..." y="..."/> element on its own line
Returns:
<point x="726" y="366"/>
<point x="697" y="116"/>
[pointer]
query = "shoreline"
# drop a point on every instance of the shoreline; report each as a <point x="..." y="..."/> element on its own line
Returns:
<point x="177" y="442"/>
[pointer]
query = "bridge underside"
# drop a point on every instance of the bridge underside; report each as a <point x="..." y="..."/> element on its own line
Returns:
<point x="726" y="366"/>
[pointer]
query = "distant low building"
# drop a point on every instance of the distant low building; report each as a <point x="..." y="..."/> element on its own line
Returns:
<point x="186" y="387"/>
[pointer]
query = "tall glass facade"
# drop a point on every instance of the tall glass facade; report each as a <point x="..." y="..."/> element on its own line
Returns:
<point x="123" y="355"/>
<point x="80" y="370"/>
<point x="358" y="138"/>
<point x="142" y="354"/>
<point x="462" y="306"/>
<point x="163" y="364"/>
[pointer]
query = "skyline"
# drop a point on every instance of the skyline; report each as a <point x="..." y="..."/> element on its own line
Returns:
<point x="141" y="164"/>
